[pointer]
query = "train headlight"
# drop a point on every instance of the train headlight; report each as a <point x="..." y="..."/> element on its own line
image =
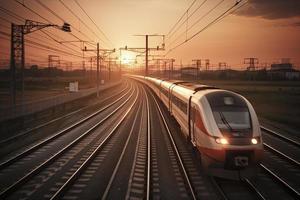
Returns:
<point x="254" y="141"/>
<point x="221" y="140"/>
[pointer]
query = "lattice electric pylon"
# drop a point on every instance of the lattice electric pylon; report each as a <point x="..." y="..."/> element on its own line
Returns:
<point x="17" y="55"/>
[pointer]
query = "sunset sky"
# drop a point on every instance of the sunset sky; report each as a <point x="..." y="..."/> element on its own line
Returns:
<point x="266" y="29"/>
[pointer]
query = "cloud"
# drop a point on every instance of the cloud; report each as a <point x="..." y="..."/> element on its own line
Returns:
<point x="271" y="9"/>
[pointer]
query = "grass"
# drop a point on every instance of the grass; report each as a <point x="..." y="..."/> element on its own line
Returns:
<point x="276" y="101"/>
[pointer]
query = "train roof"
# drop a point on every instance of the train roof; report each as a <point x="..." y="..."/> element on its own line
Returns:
<point x="196" y="87"/>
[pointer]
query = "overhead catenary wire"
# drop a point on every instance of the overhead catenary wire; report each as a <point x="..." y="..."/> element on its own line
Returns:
<point x="48" y="34"/>
<point x="83" y="10"/>
<point x="44" y="46"/>
<point x="8" y="12"/>
<point x="62" y="19"/>
<point x="180" y="18"/>
<point x="75" y="15"/>
<point x="234" y="10"/>
<point x="36" y="13"/>
<point x="197" y="21"/>
<point x="207" y="26"/>
<point x="188" y="17"/>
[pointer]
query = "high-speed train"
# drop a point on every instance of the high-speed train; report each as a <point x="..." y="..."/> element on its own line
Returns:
<point x="222" y="125"/>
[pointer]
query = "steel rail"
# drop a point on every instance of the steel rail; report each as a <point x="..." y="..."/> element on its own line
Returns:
<point x="220" y="190"/>
<point x="295" y="162"/>
<point x="104" y="196"/>
<point x="139" y="150"/>
<point x="40" y="167"/>
<point x="176" y="150"/>
<point x="271" y="132"/>
<point x="60" y="133"/>
<point x="84" y="165"/>
<point x="252" y="186"/>
<point x="282" y="182"/>
<point x="148" y="147"/>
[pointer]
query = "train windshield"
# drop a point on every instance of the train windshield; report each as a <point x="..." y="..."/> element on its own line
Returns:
<point x="232" y="118"/>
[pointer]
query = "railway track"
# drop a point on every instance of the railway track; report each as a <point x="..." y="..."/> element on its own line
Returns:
<point x="285" y="138"/>
<point x="139" y="180"/>
<point x="109" y="140"/>
<point x="229" y="189"/>
<point x="55" y="120"/>
<point x="187" y="180"/>
<point x="29" y="150"/>
<point x="132" y="151"/>
<point x="40" y="166"/>
<point x="278" y="169"/>
<point x="251" y="187"/>
<point x="267" y="176"/>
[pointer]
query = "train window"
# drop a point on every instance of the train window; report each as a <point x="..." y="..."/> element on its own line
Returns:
<point x="179" y="103"/>
<point x="233" y="118"/>
<point x="228" y="101"/>
<point x="164" y="91"/>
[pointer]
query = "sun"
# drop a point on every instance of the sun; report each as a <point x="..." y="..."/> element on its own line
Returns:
<point x="127" y="58"/>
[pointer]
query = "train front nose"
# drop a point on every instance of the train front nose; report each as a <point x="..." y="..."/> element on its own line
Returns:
<point x="238" y="159"/>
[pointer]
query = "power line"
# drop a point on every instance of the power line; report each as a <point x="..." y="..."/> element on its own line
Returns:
<point x="41" y="35"/>
<point x="188" y="17"/>
<point x="207" y="26"/>
<point x="233" y="11"/>
<point x="181" y="18"/>
<point x="93" y="21"/>
<point x="43" y="46"/>
<point x="198" y="20"/>
<point x="70" y="10"/>
<point x="51" y="11"/>
<point x="59" y="17"/>
<point x="18" y="17"/>
<point x="47" y="33"/>
<point x="31" y="10"/>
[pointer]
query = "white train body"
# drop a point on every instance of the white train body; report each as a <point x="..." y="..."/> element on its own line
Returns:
<point x="222" y="125"/>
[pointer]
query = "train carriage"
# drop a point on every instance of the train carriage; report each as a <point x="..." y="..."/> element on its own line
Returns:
<point x="221" y="125"/>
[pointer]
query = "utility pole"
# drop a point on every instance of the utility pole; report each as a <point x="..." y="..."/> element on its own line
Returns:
<point x="172" y="67"/>
<point x="147" y="49"/>
<point x="109" y="59"/>
<point x="52" y="59"/>
<point x="109" y="65"/>
<point x="206" y="64"/>
<point x="98" y="66"/>
<point x="222" y="65"/>
<point x="198" y="66"/>
<point x="17" y="56"/>
<point x="146" y="73"/>
<point x="165" y="68"/>
<point x="158" y="66"/>
<point x="165" y="61"/>
<point x="98" y="62"/>
<point x="91" y="68"/>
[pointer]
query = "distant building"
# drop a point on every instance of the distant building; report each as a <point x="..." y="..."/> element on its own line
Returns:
<point x="191" y="71"/>
<point x="283" y="71"/>
<point x="282" y="66"/>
